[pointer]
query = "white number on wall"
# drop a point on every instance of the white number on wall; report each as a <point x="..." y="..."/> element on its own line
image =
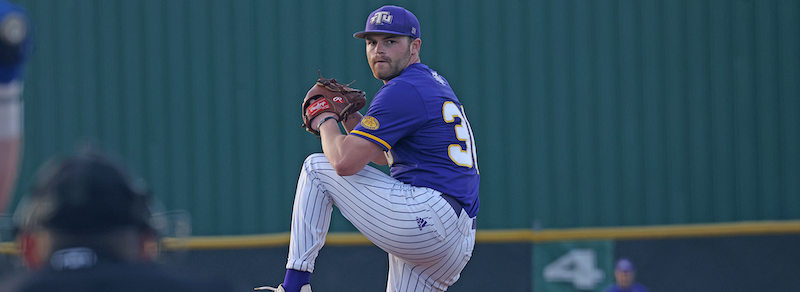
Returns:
<point x="578" y="266"/>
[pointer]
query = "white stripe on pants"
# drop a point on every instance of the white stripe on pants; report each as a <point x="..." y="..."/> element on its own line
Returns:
<point x="428" y="244"/>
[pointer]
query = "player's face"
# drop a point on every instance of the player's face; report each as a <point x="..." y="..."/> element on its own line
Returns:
<point x="389" y="54"/>
<point x="624" y="278"/>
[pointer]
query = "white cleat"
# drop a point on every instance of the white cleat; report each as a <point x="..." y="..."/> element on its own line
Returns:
<point x="305" y="288"/>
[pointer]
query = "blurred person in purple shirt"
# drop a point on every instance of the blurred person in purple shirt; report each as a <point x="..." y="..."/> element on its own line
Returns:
<point x="625" y="275"/>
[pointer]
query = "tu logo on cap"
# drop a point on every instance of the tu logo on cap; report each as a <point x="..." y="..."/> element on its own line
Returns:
<point x="380" y="18"/>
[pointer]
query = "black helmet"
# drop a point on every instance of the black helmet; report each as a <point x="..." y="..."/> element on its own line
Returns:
<point x="84" y="193"/>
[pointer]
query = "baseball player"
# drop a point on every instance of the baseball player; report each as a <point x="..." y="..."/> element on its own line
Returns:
<point x="625" y="276"/>
<point x="424" y="214"/>
<point x="15" y="48"/>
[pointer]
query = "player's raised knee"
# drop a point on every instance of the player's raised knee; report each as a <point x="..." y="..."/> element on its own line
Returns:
<point x="314" y="159"/>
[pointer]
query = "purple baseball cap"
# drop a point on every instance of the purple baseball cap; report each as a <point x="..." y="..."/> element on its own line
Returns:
<point x="624" y="265"/>
<point x="391" y="19"/>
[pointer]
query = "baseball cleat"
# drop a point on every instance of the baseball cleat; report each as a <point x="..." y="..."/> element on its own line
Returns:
<point x="305" y="288"/>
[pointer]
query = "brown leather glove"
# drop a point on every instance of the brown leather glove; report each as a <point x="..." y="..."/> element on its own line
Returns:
<point x="328" y="95"/>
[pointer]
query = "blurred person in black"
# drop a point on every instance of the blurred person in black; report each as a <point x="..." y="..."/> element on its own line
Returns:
<point x="86" y="226"/>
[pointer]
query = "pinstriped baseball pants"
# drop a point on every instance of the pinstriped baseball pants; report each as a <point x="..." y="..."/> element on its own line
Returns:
<point x="428" y="245"/>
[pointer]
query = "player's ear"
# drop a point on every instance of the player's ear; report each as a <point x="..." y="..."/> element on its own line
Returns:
<point x="416" y="44"/>
<point x="148" y="246"/>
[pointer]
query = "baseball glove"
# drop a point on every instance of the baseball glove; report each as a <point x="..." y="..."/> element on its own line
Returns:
<point x="328" y="95"/>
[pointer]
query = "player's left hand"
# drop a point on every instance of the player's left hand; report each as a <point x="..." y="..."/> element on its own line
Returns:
<point x="330" y="96"/>
<point x="321" y="117"/>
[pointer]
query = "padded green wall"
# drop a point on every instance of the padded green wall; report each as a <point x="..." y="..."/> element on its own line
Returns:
<point x="587" y="112"/>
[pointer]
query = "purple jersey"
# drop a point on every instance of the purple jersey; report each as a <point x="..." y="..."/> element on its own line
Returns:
<point x="419" y="121"/>
<point x="636" y="287"/>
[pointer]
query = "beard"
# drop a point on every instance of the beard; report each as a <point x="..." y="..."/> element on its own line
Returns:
<point x="385" y="70"/>
<point x="390" y="68"/>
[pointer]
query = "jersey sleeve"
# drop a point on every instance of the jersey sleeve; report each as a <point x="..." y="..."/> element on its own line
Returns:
<point x="396" y="110"/>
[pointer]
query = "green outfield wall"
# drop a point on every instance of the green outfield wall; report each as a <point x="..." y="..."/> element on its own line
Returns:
<point x="743" y="256"/>
<point x="587" y="114"/>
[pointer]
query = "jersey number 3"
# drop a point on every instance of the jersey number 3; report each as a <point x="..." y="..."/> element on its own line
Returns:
<point x="462" y="157"/>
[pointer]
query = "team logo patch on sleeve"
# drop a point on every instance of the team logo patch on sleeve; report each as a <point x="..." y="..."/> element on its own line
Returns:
<point x="370" y="123"/>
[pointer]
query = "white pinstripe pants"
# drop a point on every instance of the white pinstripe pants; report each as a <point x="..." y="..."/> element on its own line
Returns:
<point x="428" y="244"/>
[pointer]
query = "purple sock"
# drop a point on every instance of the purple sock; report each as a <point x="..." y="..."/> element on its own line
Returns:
<point x="295" y="280"/>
